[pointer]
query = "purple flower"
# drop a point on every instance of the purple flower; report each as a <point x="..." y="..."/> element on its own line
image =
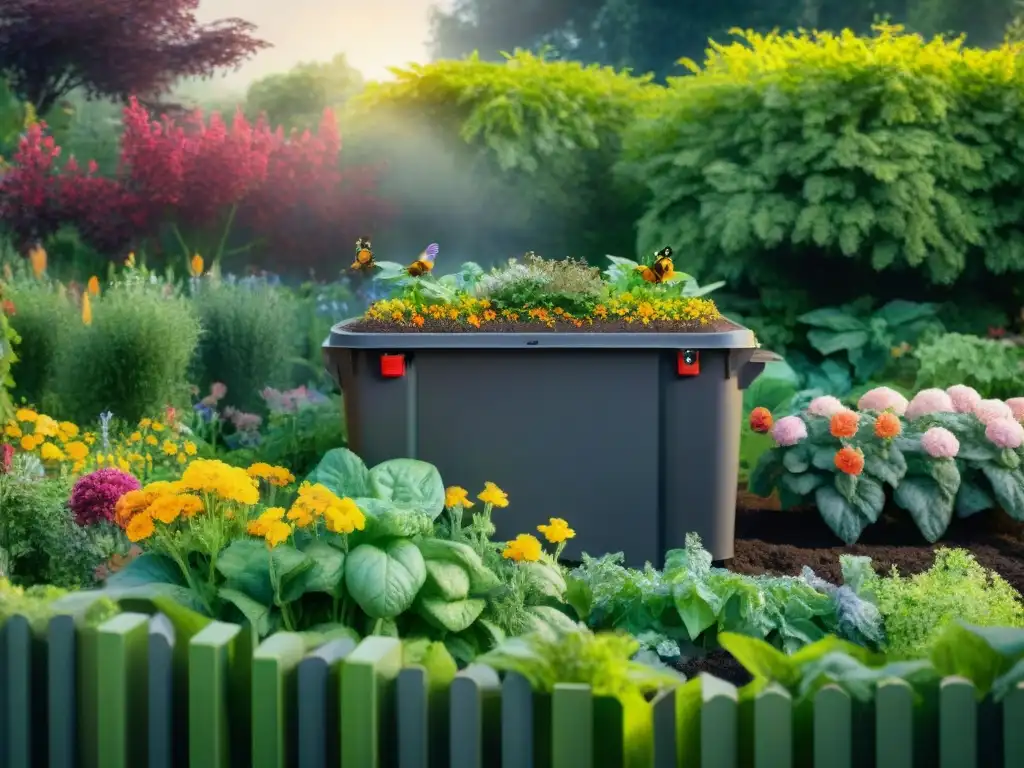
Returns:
<point x="95" y="494"/>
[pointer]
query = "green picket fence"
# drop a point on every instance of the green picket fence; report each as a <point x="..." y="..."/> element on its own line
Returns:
<point x="126" y="695"/>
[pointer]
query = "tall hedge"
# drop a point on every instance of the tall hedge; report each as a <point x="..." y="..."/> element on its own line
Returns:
<point x="526" y="144"/>
<point x="787" y="152"/>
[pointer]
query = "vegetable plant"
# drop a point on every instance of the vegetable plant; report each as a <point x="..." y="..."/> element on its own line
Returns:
<point x="683" y="609"/>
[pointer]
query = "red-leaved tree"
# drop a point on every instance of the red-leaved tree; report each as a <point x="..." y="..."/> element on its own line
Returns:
<point x="112" y="47"/>
<point x="286" y="199"/>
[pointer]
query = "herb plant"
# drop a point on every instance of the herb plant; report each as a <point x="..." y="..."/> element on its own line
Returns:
<point x="994" y="368"/>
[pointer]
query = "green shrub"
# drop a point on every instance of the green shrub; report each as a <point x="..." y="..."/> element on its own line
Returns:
<point x="994" y="368"/>
<point x="43" y="317"/>
<point x="863" y="152"/>
<point x="132" y="360"/>
<point x="916" y="609"/>
<point x="250" y="341"/>
<point x="39" y="541"/>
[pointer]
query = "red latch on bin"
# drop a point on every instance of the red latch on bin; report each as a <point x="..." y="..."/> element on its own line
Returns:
<point x="392" y="366"/>
<point x="688" y="362"/>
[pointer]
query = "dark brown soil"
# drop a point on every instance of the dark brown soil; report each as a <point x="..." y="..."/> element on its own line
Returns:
<point x="782" y="542"/>
<point x="431" y="325"/>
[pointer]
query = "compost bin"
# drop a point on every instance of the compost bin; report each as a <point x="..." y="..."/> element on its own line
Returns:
<point x="631" y="437"/>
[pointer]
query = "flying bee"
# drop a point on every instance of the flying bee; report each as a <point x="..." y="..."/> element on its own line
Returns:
<point x="364" y="254"/>
<point x="425" y="262"/>
<point x="662" y="270"/>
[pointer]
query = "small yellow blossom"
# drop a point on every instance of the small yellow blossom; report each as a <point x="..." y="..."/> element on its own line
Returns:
<point x="135" y="437"/>
<point x="50" y="452"/>
<point x="525" y="547"/>
<point x="76" y="450"/>
<point x="277" y="533"/>
<point x="190" y="448"/>
<point x="13" y="431"/>
<point x="151" y="440"/>
<point x="493" y="495"/>
<point x="26" y="415"/>
<point x="456" y="496"/>
<point x="140" y="528"/>
<point x="557" y="530"/>
<point x="169" y="448"/>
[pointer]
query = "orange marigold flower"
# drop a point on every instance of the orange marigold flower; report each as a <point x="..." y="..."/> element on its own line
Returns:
<point x="418" y="321"/>
<point x="473" y="320"/>
<point x="844" y="423"/>
<point x="850" y="460"/>
<point x="887" y="425"/>
<point x="760" y="419"/>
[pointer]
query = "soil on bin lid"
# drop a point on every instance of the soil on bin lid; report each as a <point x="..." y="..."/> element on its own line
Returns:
<point x="433" y="325"/>
<point x="769" y="541"/>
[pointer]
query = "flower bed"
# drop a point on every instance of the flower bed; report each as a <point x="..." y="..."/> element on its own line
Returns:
<point x="543" y="295"/>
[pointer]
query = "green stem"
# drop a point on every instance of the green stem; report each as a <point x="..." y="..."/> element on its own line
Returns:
<point x="181" y="241"/>
<point x="224" y="235"/>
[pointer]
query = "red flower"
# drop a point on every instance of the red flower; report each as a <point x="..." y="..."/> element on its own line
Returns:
<point x="8" y="307"/>
<point x="760" y="420"/>
<point x="6" y="458"/>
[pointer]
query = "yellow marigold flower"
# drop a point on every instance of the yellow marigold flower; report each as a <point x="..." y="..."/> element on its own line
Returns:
<point x="13" y="431"/>
<point x="557" y="530"/>
<point x="144" y="424"/>
<point x="37" y="259"/>
<point x="227" y="482"/>
<point x="278" y="476"/>
<point x="93" y="286"/>
<point x="50" y="452"/>
<point x="277" y="533"/>
<point x="165" y="509"/>
<point x="457" y="496"/>
<point x="156" y="426"/>
<point x="86" y="310"/>
<point x="525" y="547"/>
<point x="101" y="459"/>
<point x="196" y="265"/>
<point x="345" y="517"/>
<point x="89" y="438"/>
<point x="163" y="488"/>
<point x="76" y="450"/>
<point x="130" y="505"/>
<point x="182" y="458"/>
<point x="493" y="495"/>
<point x="190" y="448"/>
<point x="46" y="426"/>
<point x="69" y="428"/>
<point x="151" y="440"/>
<point x="261" y="524"/>
<point x="301" y="515"/>
<point x="139" y="528"/>
<point x="26" y="415"/>
<point x="169" y="448"/>
<point x="123" y="465"/>
<point x="135" y="437"/>
<point x="28" y="443"/>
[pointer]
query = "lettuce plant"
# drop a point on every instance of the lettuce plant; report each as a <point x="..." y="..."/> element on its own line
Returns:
<point x="682" y="610"/>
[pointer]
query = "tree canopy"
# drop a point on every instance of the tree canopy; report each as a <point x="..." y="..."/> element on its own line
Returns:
<point x="113" y="48"/>
<point x="297" y="98"/>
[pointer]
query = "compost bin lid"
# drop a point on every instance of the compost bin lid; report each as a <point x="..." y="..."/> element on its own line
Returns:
<point x="344" y="337"/>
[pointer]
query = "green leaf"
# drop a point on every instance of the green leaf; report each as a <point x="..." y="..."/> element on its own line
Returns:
<point x="841" y="516"/>
<point x="409" y="483"/>
<point x="846" y="485"/>
<point x="385" y="578"/>
<point x="245" y="564"/>
<point x="454" y="615"/>
<point x="763" y="476"/>
<point x="580" y="597"/>
<point x="980" y="654"/>
<point x="828" y="343"/>
<point x="696" y="604"/>
<point x="550" y="622"/>
<point x="796" y="459"/>
<point x="824" y="458"/>
<point x="343" y="473"/>
<point x="447" y="580"/>
<point x="930" y="507"/>
<point x="832" y="319"/>
<point x="804" y="484"/>
<point x="321" y="634"/>
<point x="972" y="498"/>
<point x="1007" y="683"/>
<point x="900" y="312"/>
<point x="396" y="522"/>
<point x="255" y="612"/>
<point x="1007" y="487"/>
<point x="481" y="578"/>
<point x="759" y="658"/>
<point x="890" y="467"/>
<point x="147" y="568"/>
<point x="328" y="571"/>
<point x="545" y="579"/>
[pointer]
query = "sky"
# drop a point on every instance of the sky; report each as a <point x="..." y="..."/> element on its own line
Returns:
<point x="374" y="34"/>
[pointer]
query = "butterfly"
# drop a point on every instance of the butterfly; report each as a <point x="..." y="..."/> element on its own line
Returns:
<point x="425" y="262"/>
<point x="364" y="254"/>
<point x="662" y="270"/>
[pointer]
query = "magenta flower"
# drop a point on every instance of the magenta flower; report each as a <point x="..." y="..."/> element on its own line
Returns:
<point x="940" y="443"/>
<point x="988" y="411"/>
<point x="95" y="494"/>
<point x="929" y="401"/>
<point x="789" y="430"/>
<point x="6" y="458"/>
<point x="1006" y="433"/>
<point x="965" y="399"/>
<point x="883" y="399"/>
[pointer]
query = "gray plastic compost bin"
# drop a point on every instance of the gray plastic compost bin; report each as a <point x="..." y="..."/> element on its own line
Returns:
<point x="631" y="437"/>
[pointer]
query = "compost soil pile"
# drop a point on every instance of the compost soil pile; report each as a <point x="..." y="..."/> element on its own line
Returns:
<point x="781" y="543"/>
<point x="431" y="325"/>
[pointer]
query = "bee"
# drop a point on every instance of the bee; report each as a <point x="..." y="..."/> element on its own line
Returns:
<point x="425" y="262"/>
<point x="662" y="270"/>
<point x="364" y="254"/>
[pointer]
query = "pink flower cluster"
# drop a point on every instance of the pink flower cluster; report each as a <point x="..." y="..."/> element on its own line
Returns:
<point x="883" y="399"/>
<point x="789" y="430"/>
<point x="940" y="443"/>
